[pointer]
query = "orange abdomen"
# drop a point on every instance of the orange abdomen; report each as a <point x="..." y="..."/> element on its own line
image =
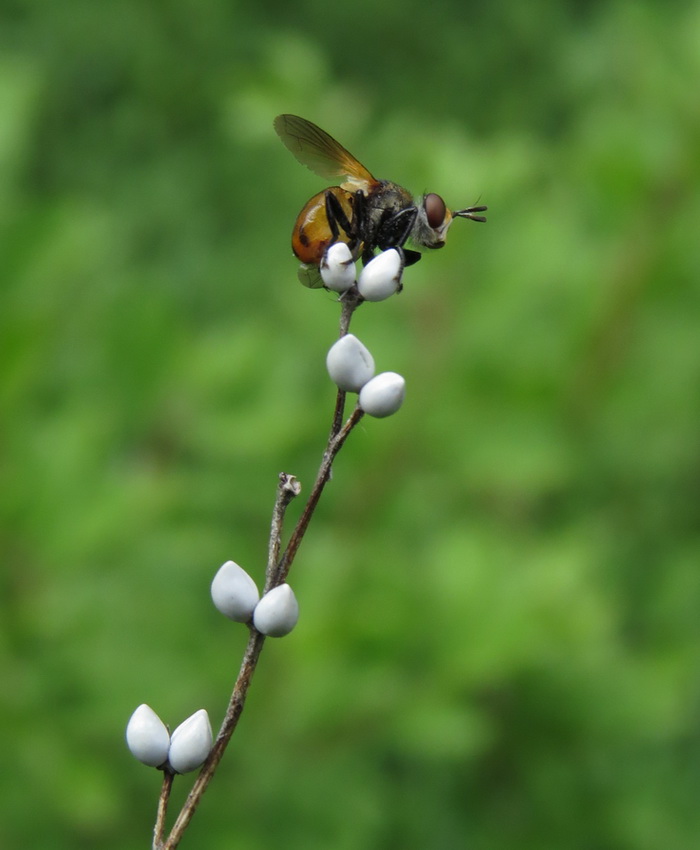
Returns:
<point x="312" y="233"/>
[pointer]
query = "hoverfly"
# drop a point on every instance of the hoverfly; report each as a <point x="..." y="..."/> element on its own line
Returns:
<point x="364" y="212"/>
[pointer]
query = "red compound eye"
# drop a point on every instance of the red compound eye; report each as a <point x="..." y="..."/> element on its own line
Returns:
<point x="435" y="210"/>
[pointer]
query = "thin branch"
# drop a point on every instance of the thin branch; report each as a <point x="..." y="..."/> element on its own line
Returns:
<point x="338" y="414"/>
<point x="350" y="301"/>
<point x="163" y="800"/>
<point x="233" y="713"/>
<point x="334" y="446"/>
<point x="288" y="488"/>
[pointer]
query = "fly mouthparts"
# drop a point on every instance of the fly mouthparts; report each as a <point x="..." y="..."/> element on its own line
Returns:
<point x="469" y="213"/>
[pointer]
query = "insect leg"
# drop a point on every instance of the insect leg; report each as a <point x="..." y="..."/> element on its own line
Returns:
<point x="336" y="217"/>
<point x="410" y="257"/>
<point x="394" y="232"/>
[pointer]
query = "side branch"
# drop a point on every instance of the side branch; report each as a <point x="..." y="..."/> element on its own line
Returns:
<point x="334" y="446"/>
<point x="289" y="487"/>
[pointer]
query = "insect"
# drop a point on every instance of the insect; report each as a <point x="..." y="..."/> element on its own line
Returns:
<point x="364" y="212"/>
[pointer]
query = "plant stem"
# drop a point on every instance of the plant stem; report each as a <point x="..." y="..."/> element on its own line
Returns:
<point x="334" y="446"/>
<point x="277" y="571"/>
<point x="350" y="301"/>
<point x="289" y="487"/>
<point x="159" y="829"/>
<point x="233" y="713"/>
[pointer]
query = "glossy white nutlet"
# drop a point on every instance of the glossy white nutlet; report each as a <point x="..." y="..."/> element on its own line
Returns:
<point x="277" y="612"/>
<point x="234" y="592"/>
<point x="383" y="395"/>
<point x="381" y="277"/>
<point x="147" y="736"/>
<point x="338" y="268"/>
<point x="191" y="743"/>
<point x="349" y="364"/>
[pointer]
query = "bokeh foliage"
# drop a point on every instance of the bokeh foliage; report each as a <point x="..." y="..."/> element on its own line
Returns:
<point x="500" y="641"/>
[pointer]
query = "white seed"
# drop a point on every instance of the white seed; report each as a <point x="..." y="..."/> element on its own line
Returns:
<point x="191" y="743"/>
<point x="147" y="736"/>
<point x="349" y="363"/>
<point x="338" y="268"/>
<point x="381" y="277"/>
<point x="277" y="612"/>
<point x="234" y="592"/>
<point x="383" y="395"/>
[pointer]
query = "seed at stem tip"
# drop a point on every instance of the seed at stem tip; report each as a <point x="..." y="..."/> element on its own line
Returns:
<point x="381" y="277"/>
<point x="234" y="592"/>
<point x="338" y="268"/>
<point x="349" y="364"/>
<point x="147" y="737"/>
<point x="191" y="742"/>
<point x="383" y="395"/>
<point x="277" y="612"/>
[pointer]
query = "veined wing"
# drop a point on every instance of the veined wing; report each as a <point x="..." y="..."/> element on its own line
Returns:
<point x="320" y="152"/>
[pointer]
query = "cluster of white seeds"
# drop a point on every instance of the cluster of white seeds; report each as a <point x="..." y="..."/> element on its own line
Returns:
<point x="349" y="363"/>
<point x="236" y="595"/>
<point x="186" y="749"/>
<point x="351" y="367"/>
<point x="379" y="279"/>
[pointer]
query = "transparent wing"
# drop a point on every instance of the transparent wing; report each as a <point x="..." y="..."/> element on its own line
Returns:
<point x="315" y="149"/>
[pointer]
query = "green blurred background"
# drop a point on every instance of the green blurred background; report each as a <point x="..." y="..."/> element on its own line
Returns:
<point x="500" y="642"/>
